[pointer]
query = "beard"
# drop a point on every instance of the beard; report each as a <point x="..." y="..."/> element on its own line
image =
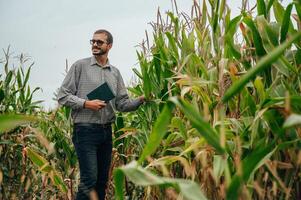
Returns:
<point x="100" y="52"/>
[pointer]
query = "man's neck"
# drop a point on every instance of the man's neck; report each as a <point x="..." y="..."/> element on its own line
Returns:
<point x="102" y="60"/>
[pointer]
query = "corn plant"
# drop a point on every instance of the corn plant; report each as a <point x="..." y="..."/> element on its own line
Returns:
<point x="33" y="150"/>
<point x="15" y="92"/>
<point x="222" y="109"/>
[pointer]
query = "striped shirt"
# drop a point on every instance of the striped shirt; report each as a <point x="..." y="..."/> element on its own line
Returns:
<point x="84" y="76"/>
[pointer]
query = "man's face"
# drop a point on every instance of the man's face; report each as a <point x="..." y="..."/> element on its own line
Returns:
<point x="100" y="45"/>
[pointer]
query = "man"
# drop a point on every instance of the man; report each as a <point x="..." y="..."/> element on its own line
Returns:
<point x="92" y="133"/>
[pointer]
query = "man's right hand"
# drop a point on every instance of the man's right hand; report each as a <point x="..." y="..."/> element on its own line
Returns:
<point x="95" y="104"/>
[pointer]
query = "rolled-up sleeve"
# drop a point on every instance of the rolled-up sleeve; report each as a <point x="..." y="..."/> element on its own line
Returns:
<point x="67" y="92"/>
<point x="122" y="102"/>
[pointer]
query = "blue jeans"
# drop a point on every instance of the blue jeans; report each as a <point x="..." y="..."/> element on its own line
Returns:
<point x="93" y="146"/>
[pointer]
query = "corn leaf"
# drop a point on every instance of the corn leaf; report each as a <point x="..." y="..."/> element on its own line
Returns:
<point x="250" y="164"/>
<point x="215" y="16"/>
<point x="292" y="120"/>
<point x="256" y="37"/>
<point x="269" y="6"/>
<point x="256" y="158"/>
<point x="234" y="188"/>
<point x="260" y="66"/>
<point x="158" y="131"/>
<point x="278" y="11"/>
<point x="189" y="189"/>
<point x="219" y="165"/>
<point x="286" y="22"/>
<point x="10" y="121"/>
<point x="37" y="160"/>
<point x="8" y="79"/>
<point x="261" y="8"/>
<point x="43" y="166"/>
<point x="203" y="127"/>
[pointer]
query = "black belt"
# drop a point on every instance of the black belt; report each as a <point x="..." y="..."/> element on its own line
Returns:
<point x="107" y="125"/>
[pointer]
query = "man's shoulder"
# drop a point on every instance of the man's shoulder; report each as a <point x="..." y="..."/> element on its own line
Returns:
<point x="114" y="69"/>
<point x="83" y="61"/>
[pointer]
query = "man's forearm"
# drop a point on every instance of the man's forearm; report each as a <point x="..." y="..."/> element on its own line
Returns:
<point x="127" y="105"/>
<point x="71" y="101"/>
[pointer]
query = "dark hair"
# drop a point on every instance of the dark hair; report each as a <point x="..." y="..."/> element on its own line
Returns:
<point x="109" y="35"/>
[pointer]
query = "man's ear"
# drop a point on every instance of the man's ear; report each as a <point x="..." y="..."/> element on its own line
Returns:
<point x="110" y="45"/>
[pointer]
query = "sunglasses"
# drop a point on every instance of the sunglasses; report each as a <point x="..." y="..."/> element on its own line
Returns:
<point x="98" y="42"/>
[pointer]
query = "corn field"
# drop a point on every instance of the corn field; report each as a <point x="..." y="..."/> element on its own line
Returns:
<point x="222" y="117"/>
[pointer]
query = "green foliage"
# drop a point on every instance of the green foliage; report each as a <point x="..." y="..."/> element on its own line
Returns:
<point x="8" y="122"/>
<point x="221" y="119"/>
<point x="188" y="189"/>
<point x="32" y="140"/>
<point x="236" y="111"/>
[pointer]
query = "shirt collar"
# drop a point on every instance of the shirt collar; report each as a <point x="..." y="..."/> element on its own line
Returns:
<point x="94" y="62"/>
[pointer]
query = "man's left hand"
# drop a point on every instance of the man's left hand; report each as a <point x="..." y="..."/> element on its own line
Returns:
<point x="142" y="99"/>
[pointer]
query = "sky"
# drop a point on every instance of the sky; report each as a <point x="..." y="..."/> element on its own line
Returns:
<point x="52" y="31"/>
